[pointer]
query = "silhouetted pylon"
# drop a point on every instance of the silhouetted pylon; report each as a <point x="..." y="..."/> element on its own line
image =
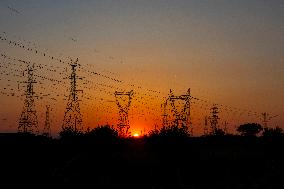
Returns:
<point x="47" y="130"/>
<point x="214" y="118"/>
<point x="28" y="122"/>
<point x="176" y="111"/>
<point x="205" y="131"/>
<point x="123" y="101"/>
<point x="266" y="118"/>
<point x="73" y="118"/>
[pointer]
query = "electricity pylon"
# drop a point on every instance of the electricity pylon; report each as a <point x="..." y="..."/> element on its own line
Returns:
<point x="214" y="119"/>
<point x="165" y="113"/>
<point x="177" y="108"/>
<point x="28" y="122"/>
<point x="73" y="118"/>
<point x="123" y="101"/>
<point x="47" y="130"/>
<point x="266" y="117"/>
<point x="205" y="131"/>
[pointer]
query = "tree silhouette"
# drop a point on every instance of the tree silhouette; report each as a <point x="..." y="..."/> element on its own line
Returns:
<point x="103" y="132"/>
<point x="272" y="132"/>
<point x="69" y="133"/>
<point x="172" y="131"/>
<point x="218" y="132"/>
<point x="154" y="133"/>
<point x="249" y="129"/>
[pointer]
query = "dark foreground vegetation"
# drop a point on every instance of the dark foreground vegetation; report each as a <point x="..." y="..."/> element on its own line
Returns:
<point x="99" y="159"/>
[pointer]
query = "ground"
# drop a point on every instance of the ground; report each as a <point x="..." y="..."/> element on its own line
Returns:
<point x="212" y="162"/>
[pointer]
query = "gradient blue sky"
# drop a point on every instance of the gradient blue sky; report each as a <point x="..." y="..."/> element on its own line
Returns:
<point x="228" y="51"/>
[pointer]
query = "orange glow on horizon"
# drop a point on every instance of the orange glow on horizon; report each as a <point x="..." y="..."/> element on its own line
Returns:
<point x="136" y="135"/>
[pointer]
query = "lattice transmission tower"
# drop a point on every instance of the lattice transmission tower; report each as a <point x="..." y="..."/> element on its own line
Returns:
<point x="205" y="129"/>
<point x="28" y="122"/>
<point x="46" y="129"/>
<point x="73" y="118"/>
<point x="214" y="119"/>
<point x="266" y="117"/>
<point x="177" y="111"/>
<point x="165" y="115"/>
<point x="123" y="101"/>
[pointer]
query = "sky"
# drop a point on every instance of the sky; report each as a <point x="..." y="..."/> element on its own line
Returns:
<point x="230" y="53"/>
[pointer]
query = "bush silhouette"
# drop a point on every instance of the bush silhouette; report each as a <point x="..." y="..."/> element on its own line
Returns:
<point x="249" y="129"/>
<point x="69" y="133"/>
<point x="218" y="132"/>
<point x="171" y="131"/>
<point x="154" y="133"/>
<point x="272" y="132"/>
<point x="103" y="132"/>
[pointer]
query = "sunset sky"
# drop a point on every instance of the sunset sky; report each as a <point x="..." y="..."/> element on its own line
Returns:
<point x="229" y="52"/>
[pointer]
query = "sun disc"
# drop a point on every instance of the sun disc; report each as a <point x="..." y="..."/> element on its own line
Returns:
<point x="136" y="135"/>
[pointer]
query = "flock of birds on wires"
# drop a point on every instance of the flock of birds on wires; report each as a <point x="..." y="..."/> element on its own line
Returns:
<point x="97" y="100"/>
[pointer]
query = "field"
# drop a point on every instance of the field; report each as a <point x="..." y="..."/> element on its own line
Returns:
<point x="205" y="162"/>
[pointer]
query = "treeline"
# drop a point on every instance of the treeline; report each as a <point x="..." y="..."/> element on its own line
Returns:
<point x="108" y="132"/>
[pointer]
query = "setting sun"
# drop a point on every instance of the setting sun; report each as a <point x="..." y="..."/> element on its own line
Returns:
<point x="136" y="135"/>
